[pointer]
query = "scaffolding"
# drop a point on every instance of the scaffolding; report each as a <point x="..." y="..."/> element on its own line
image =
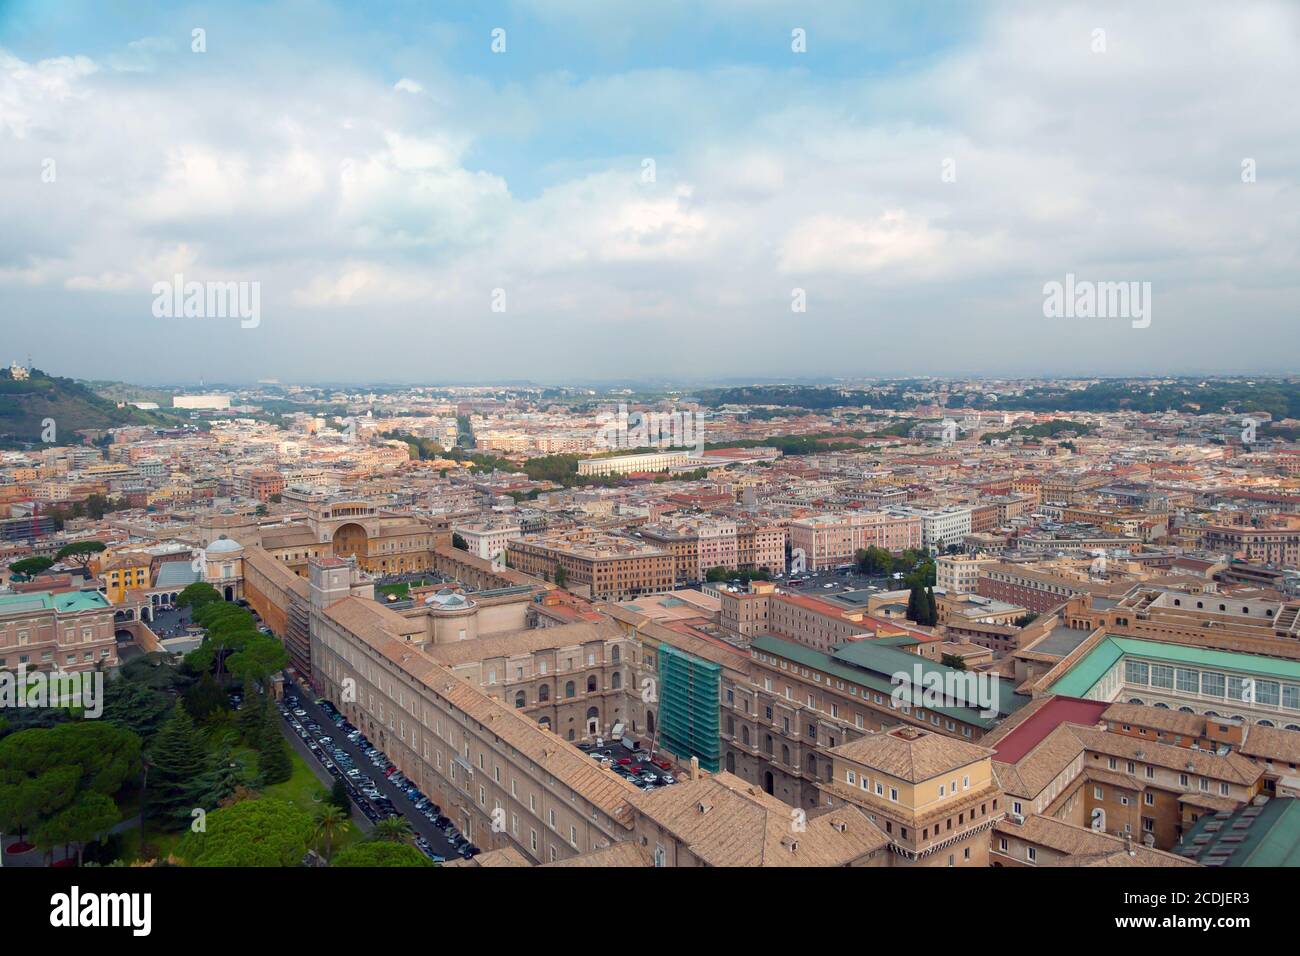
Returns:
<point x="689" y="702"/>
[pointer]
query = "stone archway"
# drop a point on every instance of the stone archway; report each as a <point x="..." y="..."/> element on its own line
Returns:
<point x="351" y="539"/>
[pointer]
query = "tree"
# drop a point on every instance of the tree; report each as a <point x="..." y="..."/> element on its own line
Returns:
<point x="458" y="542"/>
<point x="955" y="661"/>
<point x="30" y="567"/>
<point x="393" y="830"/>
<point x="43" y="771"/>
<point x="263" y="832"/>
<point x="330" y="822"/>
<point x="339" y="796"/>
<point x="196" y="595"/>
<point x="258" y="659"/>
<point x="80" y="551"/>
<point x="931" y="608"/>
<point x="561" y="576"/>
<point x="205" y="698"/>
<point x="224" y="777"/>
<point x="273" y="763"/>
<point x="79" y="823"/>
<point x="178" y="760"/>
<point x="252" y="715"/>
<point x="135" y="706"/>
<point x="373" y="854"/>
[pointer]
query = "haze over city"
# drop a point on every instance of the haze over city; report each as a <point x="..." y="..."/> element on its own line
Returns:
<point x="641" y="191"/>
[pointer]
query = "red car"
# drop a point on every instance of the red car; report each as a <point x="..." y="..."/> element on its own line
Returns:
<point x="662" y="764"/>
<point x="624" y="761"/>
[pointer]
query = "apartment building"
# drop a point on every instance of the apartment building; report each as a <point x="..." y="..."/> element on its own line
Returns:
<point x="960" y="573"/>
<point x="699" y="544"/>
<point x="605" y="566"/>
<point x="488" y="540"/>
<point x="1274" y="543"/>
<point x="832" y="540"/>
<point x="1038" y="590"/>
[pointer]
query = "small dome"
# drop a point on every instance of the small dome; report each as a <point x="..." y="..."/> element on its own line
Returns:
<point x="448" y="600"/>
<point x="224" y="545"/>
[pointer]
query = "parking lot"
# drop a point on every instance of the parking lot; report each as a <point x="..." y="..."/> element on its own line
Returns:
<point x="838" y="581"/>
<point x="635" y="765"/>
<point x="376" y="787"/>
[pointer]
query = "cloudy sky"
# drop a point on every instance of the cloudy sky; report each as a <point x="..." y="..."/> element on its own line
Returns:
<point x="647" y="191"/>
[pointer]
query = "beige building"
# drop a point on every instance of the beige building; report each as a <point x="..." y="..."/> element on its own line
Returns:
<point x="605" y="567"/>
<point x="935" y="797"/>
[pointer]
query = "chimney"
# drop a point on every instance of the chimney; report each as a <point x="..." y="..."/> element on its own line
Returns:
<point x="695" y="768"/>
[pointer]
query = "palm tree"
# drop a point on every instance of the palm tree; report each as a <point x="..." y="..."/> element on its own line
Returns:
<point x="330" y="820"/>
<point x="393" y="829"/>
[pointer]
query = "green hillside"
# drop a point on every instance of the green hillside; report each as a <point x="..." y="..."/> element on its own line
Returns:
<point x="25" y="404"/>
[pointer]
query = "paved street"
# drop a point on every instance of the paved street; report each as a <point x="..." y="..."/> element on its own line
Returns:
<point x="420" y="824"/>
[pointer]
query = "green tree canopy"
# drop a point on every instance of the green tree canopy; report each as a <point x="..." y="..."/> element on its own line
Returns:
<point x="375" y="853"/>
<point x="263" y="832"/>
<point x="80" y="551"/>
<point x="177" y="761"/>
<point x="197" y="594"/>
<point x="30" y="567"/>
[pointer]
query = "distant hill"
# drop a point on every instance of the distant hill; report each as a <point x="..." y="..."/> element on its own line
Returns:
<point x="26" y="403"/>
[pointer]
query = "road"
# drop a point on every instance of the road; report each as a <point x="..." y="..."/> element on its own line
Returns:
<point x="420" y="824"/>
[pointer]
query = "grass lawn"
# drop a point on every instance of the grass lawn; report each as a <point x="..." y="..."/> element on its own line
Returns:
<point x="402" y="591"/>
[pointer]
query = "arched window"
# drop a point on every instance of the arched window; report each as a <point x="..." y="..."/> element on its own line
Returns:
<point x="785" y="754"/>
<point x="591" y="684"/>
<point x="544" y="693"/>
<point x="569" y="689"/>
<point x="520" y="699"/>
<point x="615" y="654"/>
<point x="812" y="765"/>
<point x="593" y="712"/>
<point x="731" y="726"/>
<point x="616" y="681"/>
<point x="744" y="735"/>
<point x="544" y="723"/>
<point x="767" y="744"/>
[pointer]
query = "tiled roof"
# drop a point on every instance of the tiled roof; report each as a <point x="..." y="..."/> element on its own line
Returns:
<point x="725" y="821"/>
<point x="912" y="754"/>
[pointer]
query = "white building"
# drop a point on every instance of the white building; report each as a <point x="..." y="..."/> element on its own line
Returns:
<point x="487" y="540"/>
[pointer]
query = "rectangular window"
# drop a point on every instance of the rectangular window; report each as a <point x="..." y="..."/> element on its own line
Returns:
<point x="1136" y="672"/>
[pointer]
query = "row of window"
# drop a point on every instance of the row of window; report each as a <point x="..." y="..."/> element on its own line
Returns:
<point x="1190" y="680"/>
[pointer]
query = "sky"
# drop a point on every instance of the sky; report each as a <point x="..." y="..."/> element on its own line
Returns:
<point x="571" y="191"/>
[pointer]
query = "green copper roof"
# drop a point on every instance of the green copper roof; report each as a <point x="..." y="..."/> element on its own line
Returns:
<point x="1094" y="665"/>
<point x="1268" y="836"/>
<point x="68" y="602"/>
<point x="872" y="664"/>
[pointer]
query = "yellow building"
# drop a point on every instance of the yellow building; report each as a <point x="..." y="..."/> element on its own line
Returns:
<point x="124" y="571"/>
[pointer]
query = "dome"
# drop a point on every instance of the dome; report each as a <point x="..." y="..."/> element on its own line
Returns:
<point x="224" y="545"/>
<point x="448" y="600"/>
